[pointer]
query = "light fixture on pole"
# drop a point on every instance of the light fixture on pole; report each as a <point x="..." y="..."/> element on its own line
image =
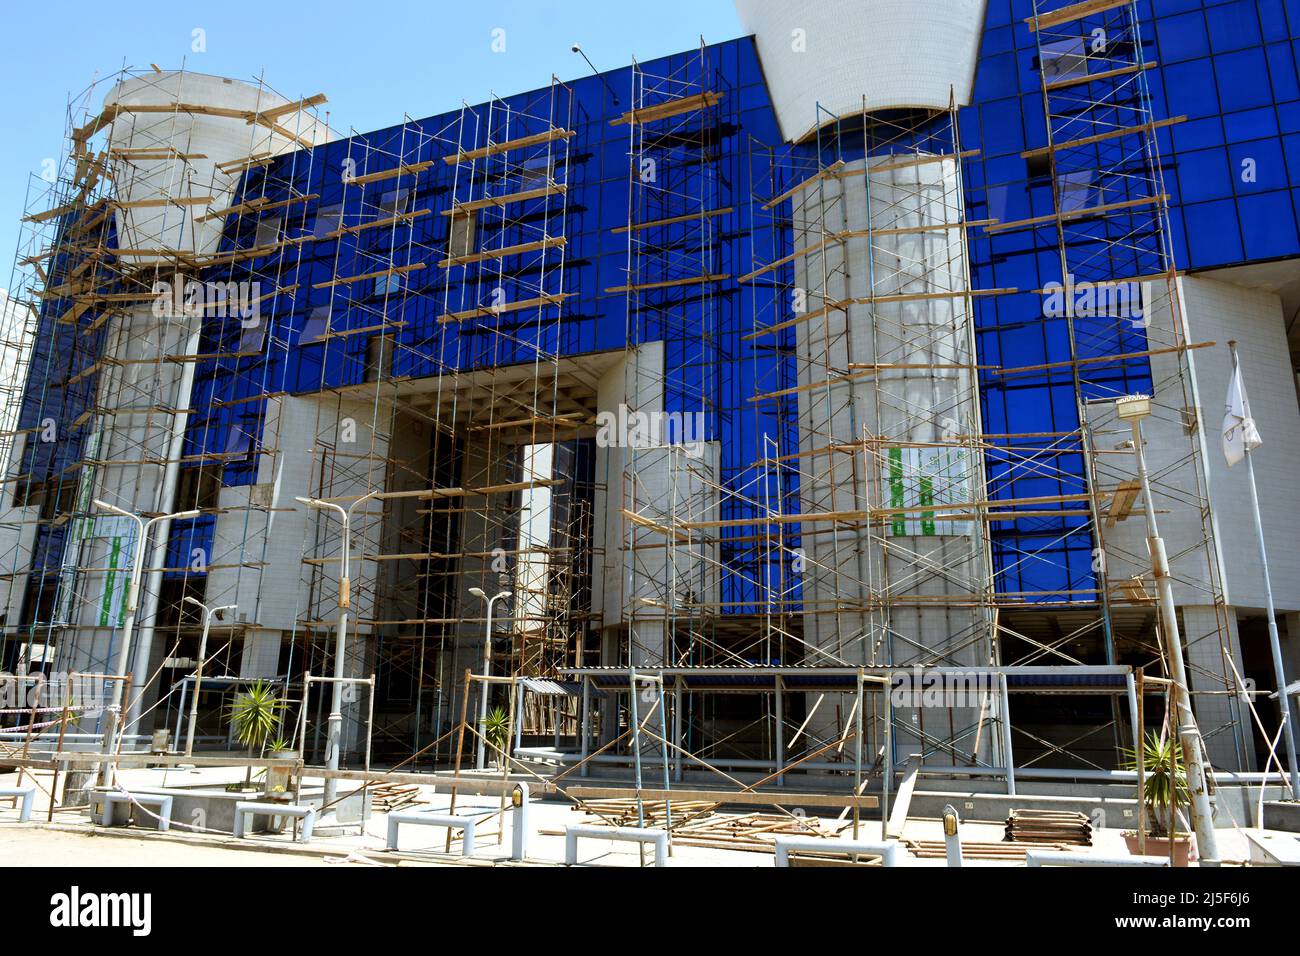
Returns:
<point x="1133" y="409"/>
<point x="576" y="48"/>
<point x="334" y="734"/>
<point x="481" y="753"/>
<point x="143" y="527"/>
<point x="208" y="614"/>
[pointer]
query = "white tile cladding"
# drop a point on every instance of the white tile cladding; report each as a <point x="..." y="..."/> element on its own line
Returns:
<point x="896" y="53"/>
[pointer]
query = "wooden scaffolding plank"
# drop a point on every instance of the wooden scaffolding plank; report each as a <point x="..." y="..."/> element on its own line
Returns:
<point x="258" y="205"/>
<point x="230" y="167"/>
<point x="839" y="306"/>
<point x="1121" y="505"/>
<point x="549" y="242"/>
<point x="488" y="311"/>
<point x="1075" y="11"/>
<point x="463" y="208"/>
<point x="377" y="224"/>
<point x="1103" y="359"/>
<point x="493" y="149"/>
<point x="669" y="108"/>
<point x="904" y="161"/>
<point x="829" y="172"/>
<point x="273" y="114"/>
<point x="154" y="152"/>
<point x="405" y="169"/>
<point x="49" y="214"/>
<point x="806" y="250"/>
<point x="669" y="283"/>
<point x="1102" y="137"/>
<point x="927" y="296"/>
<point x="671" y="220"/>
<point x="166" y="201"/>
<point x="348" y="280"/>
<point x="1075" y="214"/>
<point x="1103" y="75"/>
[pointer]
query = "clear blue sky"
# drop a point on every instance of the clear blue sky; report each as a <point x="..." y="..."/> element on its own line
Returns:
<point x="375" y="59"/>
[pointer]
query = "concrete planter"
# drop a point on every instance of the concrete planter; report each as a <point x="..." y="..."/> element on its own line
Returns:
<point x="279" y="780"/>
<point x="1159" y="846"/>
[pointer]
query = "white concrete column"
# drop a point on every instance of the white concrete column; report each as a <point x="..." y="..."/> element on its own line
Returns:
<point x="1223" y="719"/>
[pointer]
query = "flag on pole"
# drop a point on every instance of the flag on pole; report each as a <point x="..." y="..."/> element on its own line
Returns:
<point x="1239" y="432"/>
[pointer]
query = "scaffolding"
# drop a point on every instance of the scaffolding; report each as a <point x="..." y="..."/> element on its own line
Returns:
<point x="1127" y="332"/>
<point x="814" y="508"/>
<point x="112" y="321"/>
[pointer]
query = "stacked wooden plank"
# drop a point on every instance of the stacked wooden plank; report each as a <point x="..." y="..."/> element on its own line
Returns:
<point x="696" y="823"/>
<point x="756" y="832"/>
<point x="976" y="850"/>
<point x="1049" y="826"/>
<point x="623" y="812"/>
<point x="389" y="797"/>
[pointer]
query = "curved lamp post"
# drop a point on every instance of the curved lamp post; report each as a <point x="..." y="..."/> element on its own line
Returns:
<point x="143" y="527"/>
<point x="480" y="759"/>
<point x="334" y="736"/>
<point x="208" y="614"/>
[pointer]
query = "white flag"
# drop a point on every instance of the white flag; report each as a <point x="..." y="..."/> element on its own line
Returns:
<point x="1239" y="432"/>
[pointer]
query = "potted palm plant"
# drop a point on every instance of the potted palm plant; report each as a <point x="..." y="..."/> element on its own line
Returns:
<point x="255" y="718"/>
<point x="1164" y="788"/>
<point x="497" y="731"/>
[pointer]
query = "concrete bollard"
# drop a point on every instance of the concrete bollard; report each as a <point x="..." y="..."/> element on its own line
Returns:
<point x="521" y="828"/>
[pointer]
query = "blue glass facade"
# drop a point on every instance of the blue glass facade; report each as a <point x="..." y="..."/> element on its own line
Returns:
<point x="1231" y="169"/>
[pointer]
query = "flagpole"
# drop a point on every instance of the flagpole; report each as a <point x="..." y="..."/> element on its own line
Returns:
<point x="1284" y="704"/>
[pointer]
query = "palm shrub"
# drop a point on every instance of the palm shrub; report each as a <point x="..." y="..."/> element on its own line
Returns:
<point x="1165" y="779"/>
<point x="497" y="730"/>
<point x="255" y="717"/>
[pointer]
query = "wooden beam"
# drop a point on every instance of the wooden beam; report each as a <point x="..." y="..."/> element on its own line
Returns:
<point x="1103" y="75"/>
<point x="840" y="306"/>
<point x="348" y="280"/>
<point x="1075" y="11"/>
<point x="671" y="220"/>
<point x="493" y="149"/>
<point x="461" y="208"/>
<point x="668" y="109"/>
<point x="522" y="248"/>
<point x="1121" y="505"/>
<point x="1076" y="214"/>
<point x="826" y="173"/>
<point x="271" y="115"/>
<point x="751" y="798"/>
<point x="488" y="311"/>
<point x="669" y="283"/>
<point x="377" y="224"/>
<point x="1102" y="137"/>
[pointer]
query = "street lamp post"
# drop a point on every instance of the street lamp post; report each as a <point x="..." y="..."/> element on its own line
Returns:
<point x="143" y="528"/>
<point x="334" y="734"/>
<point x="208" y="615"/>
<point x="1132" y="409"/>
<point x="480" y="760"/>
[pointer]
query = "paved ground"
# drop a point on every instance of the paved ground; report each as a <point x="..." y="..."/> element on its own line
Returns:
<point x="72" y="840"/>
<point x="39" y="846"/>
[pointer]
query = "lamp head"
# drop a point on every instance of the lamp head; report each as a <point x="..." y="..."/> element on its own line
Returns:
<point x="576" y="48"/>
<point x="195" y="601"/>
<point x="1133" y="407"/>
<point x="478" y="593"/>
